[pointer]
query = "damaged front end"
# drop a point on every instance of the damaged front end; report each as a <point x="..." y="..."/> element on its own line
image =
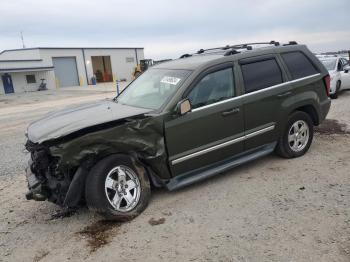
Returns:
<point x="58" y="167"/>
<point x="45" y="181"/>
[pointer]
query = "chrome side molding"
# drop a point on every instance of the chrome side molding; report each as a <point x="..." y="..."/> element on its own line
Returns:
<point x="227" y="143"/>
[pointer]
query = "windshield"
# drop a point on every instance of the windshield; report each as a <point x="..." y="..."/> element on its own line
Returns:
<point x="329" y="63"/>
<point x="153" y="88"/>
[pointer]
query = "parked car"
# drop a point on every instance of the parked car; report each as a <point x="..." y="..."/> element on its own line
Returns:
<point x="338" y="68"/>
<point x="178" y="123"/>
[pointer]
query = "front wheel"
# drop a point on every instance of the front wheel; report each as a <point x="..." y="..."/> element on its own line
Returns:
<point x="118" y="188"/>
<point x="297" y="136"/>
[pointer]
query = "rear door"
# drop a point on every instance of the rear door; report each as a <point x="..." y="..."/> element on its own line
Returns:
<point x="345" y="76"/>
<point x="264" y="94"/>
<point x="213" y="130"/>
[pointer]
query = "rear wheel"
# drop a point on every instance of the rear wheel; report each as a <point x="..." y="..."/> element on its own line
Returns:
<point x="118" y="188"/>
<point x="297" y="136"/>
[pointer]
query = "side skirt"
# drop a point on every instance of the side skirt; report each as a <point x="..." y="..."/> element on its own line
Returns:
<point x="219" y="167"/>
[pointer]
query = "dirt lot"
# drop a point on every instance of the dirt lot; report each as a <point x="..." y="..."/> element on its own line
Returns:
<point x="270" y="210"/>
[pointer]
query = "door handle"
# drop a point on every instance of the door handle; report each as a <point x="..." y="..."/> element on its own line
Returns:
<point x="230" y="112"/>
<point x="285" y="94"/>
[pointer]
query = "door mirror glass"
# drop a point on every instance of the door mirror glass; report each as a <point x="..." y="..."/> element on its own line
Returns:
<point x="346" y="69"/>
<point x="183" y="107"/>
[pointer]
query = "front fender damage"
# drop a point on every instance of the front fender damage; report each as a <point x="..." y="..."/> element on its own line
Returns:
<point x="142" y="137"/>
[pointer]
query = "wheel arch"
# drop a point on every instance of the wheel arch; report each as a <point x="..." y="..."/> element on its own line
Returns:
<point x="76" y="188"/>
<point x="311" y="111"/>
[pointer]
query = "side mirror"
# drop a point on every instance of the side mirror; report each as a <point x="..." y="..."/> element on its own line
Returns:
<point x="183" y="107"/>
<point x="346" y="69"/>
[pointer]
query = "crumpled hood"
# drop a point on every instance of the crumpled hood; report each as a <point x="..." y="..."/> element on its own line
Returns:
<point x="63" y="122"/>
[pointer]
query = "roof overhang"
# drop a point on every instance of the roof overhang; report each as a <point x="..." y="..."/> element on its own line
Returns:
<point x="27" y="69"/>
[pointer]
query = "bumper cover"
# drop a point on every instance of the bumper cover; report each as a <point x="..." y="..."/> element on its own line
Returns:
<point x="34" y="185"/>
<point x="324" y="108"/>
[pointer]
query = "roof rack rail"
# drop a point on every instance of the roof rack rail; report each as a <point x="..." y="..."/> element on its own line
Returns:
<point x="185" y="55"/>
<point x="231" y="52"/>
<point x="233" y="49"/>
<point x="291" y="43"/>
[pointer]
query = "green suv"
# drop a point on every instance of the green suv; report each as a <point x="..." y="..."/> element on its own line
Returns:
<point x="178" y="123"/>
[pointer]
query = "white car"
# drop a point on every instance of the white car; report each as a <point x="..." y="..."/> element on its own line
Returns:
<point x="338" y="68"/>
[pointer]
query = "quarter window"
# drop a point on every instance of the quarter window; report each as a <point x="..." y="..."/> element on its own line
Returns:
<point x="261" y="74"/>
<point x="213" y="88"/>
<point x="298" y="64"/>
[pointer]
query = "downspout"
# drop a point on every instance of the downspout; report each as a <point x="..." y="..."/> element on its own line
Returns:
<point x="137" y="59"/>
<point x="86" y="74"/>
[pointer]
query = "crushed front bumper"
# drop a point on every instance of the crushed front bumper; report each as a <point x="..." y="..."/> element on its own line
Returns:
<point x="36" y="191"/>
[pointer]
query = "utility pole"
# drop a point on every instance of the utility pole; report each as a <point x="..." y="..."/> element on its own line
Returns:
<point x="23" y="45"/>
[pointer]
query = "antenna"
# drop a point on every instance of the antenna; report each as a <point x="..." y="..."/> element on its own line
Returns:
<point x="22" y="40"/>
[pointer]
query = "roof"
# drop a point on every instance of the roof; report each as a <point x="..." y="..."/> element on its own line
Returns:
<point x="34" y="48"/>
<point x="189" y="63"/>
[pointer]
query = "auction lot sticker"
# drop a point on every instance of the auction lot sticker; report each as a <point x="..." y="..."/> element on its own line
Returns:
<point x="170" y="80"/>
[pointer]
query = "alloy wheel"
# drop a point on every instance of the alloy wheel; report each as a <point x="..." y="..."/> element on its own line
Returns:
<point x="122" y="188"/>
<point x="298" y="136"/>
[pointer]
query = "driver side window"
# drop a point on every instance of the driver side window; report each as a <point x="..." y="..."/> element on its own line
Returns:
<point x="212" y="88"/>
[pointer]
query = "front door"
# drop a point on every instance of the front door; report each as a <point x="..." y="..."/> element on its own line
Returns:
<point x="7" y="82"/>
<point x="213" y="130"/>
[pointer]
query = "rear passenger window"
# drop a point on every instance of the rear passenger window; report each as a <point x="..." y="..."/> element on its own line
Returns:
<point x="298" y="64"/>
<point x="261" y="74"/>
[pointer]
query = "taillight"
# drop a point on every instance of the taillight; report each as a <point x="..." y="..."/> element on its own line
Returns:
<point x="327" y="82"/>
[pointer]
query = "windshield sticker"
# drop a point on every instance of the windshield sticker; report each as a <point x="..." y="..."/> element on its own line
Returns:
<point x="170" y="80"/>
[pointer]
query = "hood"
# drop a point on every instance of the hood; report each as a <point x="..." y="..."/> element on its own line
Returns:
<point x="64" y="122"/>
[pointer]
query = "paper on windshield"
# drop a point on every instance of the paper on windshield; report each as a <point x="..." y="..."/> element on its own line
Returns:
<point x="170" y="80"/>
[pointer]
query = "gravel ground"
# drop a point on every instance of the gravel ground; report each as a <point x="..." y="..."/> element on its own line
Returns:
<point x="269" y="210"/>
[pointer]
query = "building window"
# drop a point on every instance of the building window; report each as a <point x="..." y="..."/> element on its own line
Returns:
<point x="130" y="60"/>
<point x="30" y="79"/>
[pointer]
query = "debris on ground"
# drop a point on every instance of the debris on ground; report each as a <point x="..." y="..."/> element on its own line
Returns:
<point x="302" y="188"/>
<point x="40" y="255"/>
<point x="99" y="233"/>
<point x="166" y="213"/>
<point x="67" y="212"/>
<point x="155" y="222"/>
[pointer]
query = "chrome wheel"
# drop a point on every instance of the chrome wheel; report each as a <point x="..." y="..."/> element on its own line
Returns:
<point x="122" y="187"/>
<point x="298" y="136"/>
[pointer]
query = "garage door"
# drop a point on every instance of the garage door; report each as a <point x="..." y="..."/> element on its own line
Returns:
<point x="66" y="71"/>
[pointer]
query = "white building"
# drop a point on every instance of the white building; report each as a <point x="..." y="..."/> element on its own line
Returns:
<point x="21" y="70"/>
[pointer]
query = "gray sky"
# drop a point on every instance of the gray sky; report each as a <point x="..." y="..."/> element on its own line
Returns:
<point x="170" y="28"/>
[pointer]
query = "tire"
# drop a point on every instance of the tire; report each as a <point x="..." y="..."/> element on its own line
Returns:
<point x="337" y="88"/>
<point x="118" y="188"/>
<point x="293" y="144"/>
